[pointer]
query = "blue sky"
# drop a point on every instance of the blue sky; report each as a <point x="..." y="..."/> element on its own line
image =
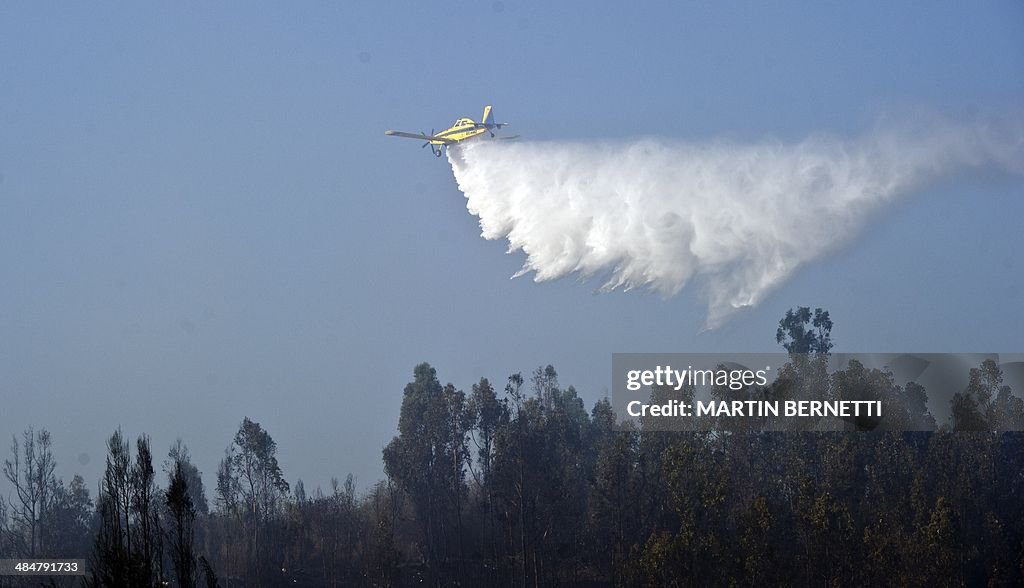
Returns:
<point x="201" y="219"/>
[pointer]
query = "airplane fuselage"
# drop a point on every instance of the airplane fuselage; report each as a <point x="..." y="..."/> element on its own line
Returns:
<point x="464" y="128"/>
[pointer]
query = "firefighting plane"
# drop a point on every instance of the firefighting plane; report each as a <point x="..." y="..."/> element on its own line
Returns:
<point x="463" y="129"/>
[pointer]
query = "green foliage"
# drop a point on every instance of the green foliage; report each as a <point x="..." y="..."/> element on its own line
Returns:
<point x="796" y="337"/>
<point x="427" y="460"/>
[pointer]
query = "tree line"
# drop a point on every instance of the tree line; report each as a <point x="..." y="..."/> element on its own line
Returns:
<point x="523" y="486"/>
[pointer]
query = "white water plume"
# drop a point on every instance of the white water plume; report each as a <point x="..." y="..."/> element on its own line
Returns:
<point x="739" y="218"/>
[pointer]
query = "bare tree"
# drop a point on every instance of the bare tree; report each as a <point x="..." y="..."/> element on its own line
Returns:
<point x="30" y="471"/>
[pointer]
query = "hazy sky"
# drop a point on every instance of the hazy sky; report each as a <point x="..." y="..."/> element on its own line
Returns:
<point x="201" y="219"/>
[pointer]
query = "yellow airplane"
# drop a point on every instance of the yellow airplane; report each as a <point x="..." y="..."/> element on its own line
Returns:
<point x="463" y="129"/>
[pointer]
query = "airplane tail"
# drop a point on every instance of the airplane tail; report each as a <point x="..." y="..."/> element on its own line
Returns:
<point x="488" y="118"/>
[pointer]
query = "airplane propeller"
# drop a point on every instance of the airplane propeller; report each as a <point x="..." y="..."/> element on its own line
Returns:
<point x="437" y="151"/>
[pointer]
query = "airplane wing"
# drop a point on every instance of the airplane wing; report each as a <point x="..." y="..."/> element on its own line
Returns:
<point x="420" y="136"/>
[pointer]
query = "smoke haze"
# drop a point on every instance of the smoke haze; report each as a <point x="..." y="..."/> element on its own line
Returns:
<point x="737" y="218"/>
